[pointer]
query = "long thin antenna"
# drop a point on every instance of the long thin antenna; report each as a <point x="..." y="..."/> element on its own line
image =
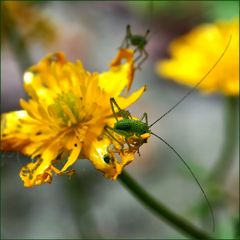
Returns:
<point x="198" y="83"/>
<point x="193" y="175"/>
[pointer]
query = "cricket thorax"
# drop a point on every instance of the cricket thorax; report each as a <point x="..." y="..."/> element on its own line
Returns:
<point x="132" y="126"/>
<point x="138" y="40"/>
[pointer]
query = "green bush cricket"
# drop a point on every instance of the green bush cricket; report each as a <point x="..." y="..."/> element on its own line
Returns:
<point x="140" y="130"/>
<point x="139" y="42"/>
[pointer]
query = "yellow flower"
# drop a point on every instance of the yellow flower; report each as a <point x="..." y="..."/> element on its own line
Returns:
<point x="195" y="53"/>
<point x="28" y="21"/>
<point x="65" y="116"/>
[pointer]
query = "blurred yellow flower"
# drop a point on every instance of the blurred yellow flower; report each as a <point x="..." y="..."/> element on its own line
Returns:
<point x="28" y="21"/>
<point x="195" y="53"/>
<point x="65" y="116"/>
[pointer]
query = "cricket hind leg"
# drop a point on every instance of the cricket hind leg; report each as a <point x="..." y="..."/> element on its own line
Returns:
<point x="112" y="103"/>
<point x="143" y="60"/>
<point x="125" y="43"/>
<point x="109" y="134"/>
<point x="140" y="54"/>
<point x="123" y="113"/>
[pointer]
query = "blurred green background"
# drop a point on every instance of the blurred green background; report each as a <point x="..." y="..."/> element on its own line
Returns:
<point x="88" y="205"/>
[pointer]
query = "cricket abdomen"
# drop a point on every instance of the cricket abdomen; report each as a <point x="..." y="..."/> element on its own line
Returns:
<point x="132" y="126"/>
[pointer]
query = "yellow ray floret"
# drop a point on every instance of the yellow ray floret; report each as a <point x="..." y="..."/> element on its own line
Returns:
<point x="65" y="117"/>
<point x="28" y="20"/>
<point x="195" y="53"/>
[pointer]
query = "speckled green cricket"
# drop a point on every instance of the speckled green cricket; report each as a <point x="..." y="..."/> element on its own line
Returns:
<point x="137" y="41"/>
<point x="140" y="130"/>
<point x="128" y="127"/>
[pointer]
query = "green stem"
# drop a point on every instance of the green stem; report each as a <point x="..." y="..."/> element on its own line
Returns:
<point x="160" y="210"/>
<point x="220" y="171"/>
<point x="81" y="208"/>
<point x="222" y="167"/>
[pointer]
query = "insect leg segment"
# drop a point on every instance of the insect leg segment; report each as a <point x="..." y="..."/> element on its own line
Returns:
<point x="128" y="143"/>
<point x="135" y="144"/>
<point x="128" y="28"/>
<point x="109" y="134"/>
<point x="113" y="102"/>
<point x="139" y="56"/>
<point x="129" y="33"/>
<point x="125" y="43"/>
<point x="143" y="60"/>
<point x="144" y="116"/>
<point x="146" y="34"/>
<point x="123" y="113"/>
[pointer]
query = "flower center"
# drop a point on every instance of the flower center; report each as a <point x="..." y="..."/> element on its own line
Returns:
<point x="66" y="107"/>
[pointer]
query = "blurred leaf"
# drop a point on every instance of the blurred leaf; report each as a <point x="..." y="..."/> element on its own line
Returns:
<point x="145" y="6"/>
<point x="225" y="229"/>
<point x="165" y="8"/>
<point x="237" y="228"/>
<point x="224" y="9"/>
<point x="200" y="208"/>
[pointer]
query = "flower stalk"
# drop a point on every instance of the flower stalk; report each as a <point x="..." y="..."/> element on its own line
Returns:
<point x="80" y="205"/>
<point x="160" y="210"/>
<point x="226" y="157"/>
<point x="219" y="174"/>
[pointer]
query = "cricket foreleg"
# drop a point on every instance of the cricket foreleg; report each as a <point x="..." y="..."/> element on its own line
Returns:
<point x="109" y="134"/>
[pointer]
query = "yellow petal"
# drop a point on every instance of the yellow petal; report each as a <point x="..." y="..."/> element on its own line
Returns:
<point x="127" y="101"/>
<point x="195" y="53"/>
<point x="128" y="55"/>
<point x="96" y="152"/>
<point x="73" y="157"/>
<point x="29" y="176"/>
<point x="120" y="74"/>
<point x="12" y="138"/>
